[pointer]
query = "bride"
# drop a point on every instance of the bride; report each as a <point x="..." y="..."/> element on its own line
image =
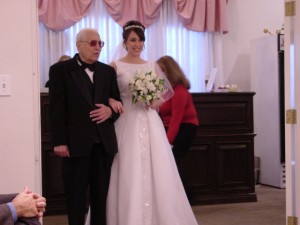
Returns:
<point x="145" y="187"/>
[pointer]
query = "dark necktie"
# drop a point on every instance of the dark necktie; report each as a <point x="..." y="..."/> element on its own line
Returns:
<point x="85" y="65"/>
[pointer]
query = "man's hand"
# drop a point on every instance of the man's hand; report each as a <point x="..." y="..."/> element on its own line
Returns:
<point x="100" y="114"/>
<point x="40" y="204"/>
<point x="62" y="150"/>
<point x="26" y="204"/>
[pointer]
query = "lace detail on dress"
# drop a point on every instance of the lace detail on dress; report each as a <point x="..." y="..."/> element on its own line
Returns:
<point x="146" y="170"/>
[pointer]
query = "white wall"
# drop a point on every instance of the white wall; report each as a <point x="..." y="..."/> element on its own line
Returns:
<point x="247" y="19"/>
<point x="19" y="115"/>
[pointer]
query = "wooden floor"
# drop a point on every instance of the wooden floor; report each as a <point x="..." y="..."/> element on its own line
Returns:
<point x="268" y="210"/>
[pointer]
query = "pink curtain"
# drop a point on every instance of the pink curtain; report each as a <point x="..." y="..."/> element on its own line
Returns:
<point x="203" y="15"/>
<point x="62" y="14"/>
<point x="144" y="11"/>
<point x="196" y="15"/>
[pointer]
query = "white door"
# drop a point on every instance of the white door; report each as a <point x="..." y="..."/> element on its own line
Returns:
<point x="292" y="101"/>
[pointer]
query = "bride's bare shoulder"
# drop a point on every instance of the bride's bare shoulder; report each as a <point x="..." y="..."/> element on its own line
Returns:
<point x="113" y="64"/>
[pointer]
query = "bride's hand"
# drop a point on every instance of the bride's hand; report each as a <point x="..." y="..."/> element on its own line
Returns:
<point x="155" y="104"/>
<point x="116" y="105"/>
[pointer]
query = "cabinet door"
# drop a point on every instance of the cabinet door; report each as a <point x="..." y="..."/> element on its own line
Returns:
<point x="234" y="165"/>
<point x="196" y="171"/>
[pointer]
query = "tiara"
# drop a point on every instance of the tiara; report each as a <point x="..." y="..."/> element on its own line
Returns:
<point x="134" y="26"/>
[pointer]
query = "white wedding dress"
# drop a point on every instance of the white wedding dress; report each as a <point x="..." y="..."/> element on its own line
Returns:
<point x="145" y="187"/>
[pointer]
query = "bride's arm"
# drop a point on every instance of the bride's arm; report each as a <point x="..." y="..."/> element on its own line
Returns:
<point x="116" y="105"/>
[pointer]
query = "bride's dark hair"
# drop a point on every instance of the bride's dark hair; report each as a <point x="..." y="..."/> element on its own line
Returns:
<point x="136" y="26"/>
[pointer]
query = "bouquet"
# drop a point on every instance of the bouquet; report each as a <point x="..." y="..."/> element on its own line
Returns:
<point x="146" y="87"/>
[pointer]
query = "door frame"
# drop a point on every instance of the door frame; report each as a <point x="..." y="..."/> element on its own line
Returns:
<point x="292" y="101"/>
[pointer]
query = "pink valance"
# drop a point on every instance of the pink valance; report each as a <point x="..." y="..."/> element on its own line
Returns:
<point x="197" y="15"/>
<point x="62" y="14"/>
<point x="203" y="15"/>
<point x="144" y="11"/>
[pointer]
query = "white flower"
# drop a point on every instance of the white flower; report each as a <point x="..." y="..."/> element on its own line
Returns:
<point x="146" y="87"/>
<point x="140" y="75"/>
<point x="148" y="78"/>
<point x="154" y="76"/>
<point x="139" y="84"/>
<point x="150" y="86"/>
<point x="156" y="82"/>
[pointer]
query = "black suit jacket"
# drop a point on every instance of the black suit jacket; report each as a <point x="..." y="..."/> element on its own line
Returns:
<point x="71" y="102"/>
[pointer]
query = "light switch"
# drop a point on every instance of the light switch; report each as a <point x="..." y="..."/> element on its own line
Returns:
<point x="5" y="85"/>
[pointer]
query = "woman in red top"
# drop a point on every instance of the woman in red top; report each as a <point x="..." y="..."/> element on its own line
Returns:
<point x="178" y="113"/>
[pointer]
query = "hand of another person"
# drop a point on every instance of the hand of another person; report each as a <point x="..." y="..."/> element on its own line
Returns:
<point x="62" y="150"/>
<point x="25" y="204"/>
<point x="100" y="114"/>
<point x="116" y="105"/>
<point x="40" y="204"/>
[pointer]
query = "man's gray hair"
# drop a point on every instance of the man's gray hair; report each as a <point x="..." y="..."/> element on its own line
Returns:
<point x="81" y="35"/>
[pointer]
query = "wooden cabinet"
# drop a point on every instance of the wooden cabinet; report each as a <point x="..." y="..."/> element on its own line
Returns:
<point x="219" y="167"/>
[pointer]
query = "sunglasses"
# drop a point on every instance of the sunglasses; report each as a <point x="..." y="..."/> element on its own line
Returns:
<point x="93" y="43"/>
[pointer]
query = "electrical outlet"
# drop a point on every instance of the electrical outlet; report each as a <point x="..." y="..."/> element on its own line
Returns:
<point x="5" y="85"/>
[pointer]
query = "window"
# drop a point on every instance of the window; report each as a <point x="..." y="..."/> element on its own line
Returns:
<point x="166" y="36"/>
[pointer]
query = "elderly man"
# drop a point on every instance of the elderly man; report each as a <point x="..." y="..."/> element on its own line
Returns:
<point x="77" y="87"/>
<point x="20" y="209"/>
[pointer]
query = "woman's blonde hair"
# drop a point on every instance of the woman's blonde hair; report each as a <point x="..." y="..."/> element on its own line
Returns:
<point x="173" y="71"/>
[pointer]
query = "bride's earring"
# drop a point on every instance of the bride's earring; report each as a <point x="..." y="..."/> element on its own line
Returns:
<point x="144" y="47"/>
